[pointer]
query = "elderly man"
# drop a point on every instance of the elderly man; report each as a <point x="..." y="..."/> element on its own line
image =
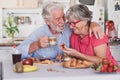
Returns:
<point x="37" y="44"/>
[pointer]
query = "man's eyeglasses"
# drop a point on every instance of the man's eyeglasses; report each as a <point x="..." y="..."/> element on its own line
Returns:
<point x="74" y="23"/>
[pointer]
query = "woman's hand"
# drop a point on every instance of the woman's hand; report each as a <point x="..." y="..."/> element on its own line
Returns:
<point x="97" y="30"/>
<point x="71" y="52"/>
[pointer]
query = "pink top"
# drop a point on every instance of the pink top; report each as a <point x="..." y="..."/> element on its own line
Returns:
<point x="87" y="44"/>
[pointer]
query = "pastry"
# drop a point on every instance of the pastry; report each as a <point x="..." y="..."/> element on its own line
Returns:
<point x="47" y="62"/>
<point x="62" y="46"/>
<point x="76" y="63"/>
<point x="87" y="63"/>
<point x="67" y="64"/>
<point x="73" y="62"/>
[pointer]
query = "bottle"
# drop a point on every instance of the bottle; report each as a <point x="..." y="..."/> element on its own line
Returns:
<point x="16" y="56"/>
<point x="15" y="50"/>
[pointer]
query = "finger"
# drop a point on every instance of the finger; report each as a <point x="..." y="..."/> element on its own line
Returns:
<point x="90" y="32"/>
<point x="66" y="53"/>
<point x="96" y="35"/>
<point x="101" y="34"/>
<point x="68" y="49"/>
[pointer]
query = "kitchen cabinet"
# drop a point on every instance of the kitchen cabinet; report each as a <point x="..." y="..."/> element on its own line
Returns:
<point x="18" y="3"/>
<point x="5" y="53"/>
<point x="115" y="50"/>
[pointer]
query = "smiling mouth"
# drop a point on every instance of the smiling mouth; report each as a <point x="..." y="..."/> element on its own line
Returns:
<point x="62" y="28"/>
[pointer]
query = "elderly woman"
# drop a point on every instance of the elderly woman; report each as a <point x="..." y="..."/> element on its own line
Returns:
<point x="85" y="47"/>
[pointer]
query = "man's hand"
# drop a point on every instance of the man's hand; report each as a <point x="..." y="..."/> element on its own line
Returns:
<point x="43" y="41"/>
<point x="97" y="30"/>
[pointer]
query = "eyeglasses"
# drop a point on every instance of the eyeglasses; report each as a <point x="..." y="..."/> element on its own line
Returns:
<point x="74" y="23"/>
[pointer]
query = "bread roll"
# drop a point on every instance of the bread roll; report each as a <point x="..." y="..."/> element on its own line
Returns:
<point x="73" y="62"/>
<point x="67" y="64"/>
<point x="87" y="63"/>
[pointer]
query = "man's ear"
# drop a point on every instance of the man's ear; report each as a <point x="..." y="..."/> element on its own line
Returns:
<point x="47" y="21"/>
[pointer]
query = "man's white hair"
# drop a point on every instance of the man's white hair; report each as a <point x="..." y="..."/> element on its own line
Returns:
<point x="48" y="7"/>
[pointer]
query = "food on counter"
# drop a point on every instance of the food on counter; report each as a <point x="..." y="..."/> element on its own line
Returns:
<point x="27" y="68"/>
<point x="66" y="57"/>
<point x="67" y="64"/>
<point x="54" y="70"/>
<point x="35" y="60"/>
<point x="105" y="66"/>
<point x="27" y="61"/>
<point x="42" y="60"/>
<point x="62" y="46"/>
<point x="76" y="63"/>
<point x="87" y="63"/>
<point x="73" y="62"/>
<point x="19" y="67"/>
<point x="46" y="62"/>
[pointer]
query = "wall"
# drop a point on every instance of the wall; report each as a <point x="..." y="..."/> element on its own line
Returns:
<point x="34" y="14"/>
<point x="0" y="22"/>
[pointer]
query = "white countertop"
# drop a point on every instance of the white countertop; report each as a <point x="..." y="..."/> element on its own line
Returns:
<point x="10" y="41"/>
<point x="68" y="74"/>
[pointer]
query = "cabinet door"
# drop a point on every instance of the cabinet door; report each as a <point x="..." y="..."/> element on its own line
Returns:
<point x="28" y="4"/>
<point x="18" y="3"/>
<point x="8" y="3"/>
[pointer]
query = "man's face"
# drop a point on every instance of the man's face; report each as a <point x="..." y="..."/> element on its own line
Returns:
<point x="57" y="20"/>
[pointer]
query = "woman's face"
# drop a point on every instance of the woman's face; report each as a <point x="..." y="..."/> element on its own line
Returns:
<point x="78" y="26"/>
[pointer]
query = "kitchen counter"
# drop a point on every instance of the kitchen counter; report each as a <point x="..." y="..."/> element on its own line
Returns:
<point x="10" y="42"/>
<point x="60" y="73"/>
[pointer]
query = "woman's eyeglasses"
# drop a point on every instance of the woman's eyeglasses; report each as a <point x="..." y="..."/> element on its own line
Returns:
<point x="74" y="23"/>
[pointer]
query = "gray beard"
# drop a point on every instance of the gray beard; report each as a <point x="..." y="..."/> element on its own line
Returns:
<point x="57" y="29"/>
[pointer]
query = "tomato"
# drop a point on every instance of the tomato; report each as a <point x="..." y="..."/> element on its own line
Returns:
<point x="110" y="69"/>
<point x="105" y="66"/>
<point x="103" y="69"/>
<point x="111" y="64"/>
<point x="105" y="61"/>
